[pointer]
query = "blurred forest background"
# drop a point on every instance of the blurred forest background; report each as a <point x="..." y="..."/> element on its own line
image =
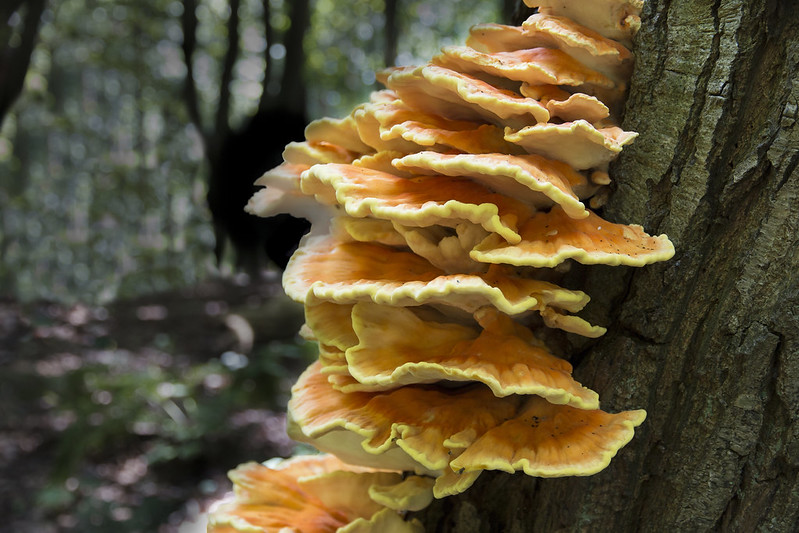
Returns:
<point x="145" y="345"/>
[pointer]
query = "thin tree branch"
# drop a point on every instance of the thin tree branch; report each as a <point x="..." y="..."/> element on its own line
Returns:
<point x="221" y="125"/>
<point x="189" y="25"/>
<point x="392" y="33"/>
<point x="269" y="36"/>
<point x="14" y="61"/>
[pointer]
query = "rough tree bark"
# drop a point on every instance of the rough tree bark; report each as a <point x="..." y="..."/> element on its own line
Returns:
<point x="707" y="342"/>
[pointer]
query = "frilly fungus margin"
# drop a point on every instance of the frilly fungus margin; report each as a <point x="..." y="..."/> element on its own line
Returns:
<point x="440" y="210"/>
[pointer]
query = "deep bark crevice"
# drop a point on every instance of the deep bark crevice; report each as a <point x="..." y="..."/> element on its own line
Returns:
<point x="790" y="168"/>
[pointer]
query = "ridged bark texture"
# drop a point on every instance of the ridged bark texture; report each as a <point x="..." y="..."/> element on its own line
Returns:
<point x="707" y="343"/>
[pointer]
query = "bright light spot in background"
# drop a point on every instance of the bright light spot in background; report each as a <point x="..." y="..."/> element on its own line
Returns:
<point x="251" y="69"/>
<point x="234" y="360"/>
<point x="248" y="89"/>
<point x="277" y="51"/>
<point x="171" y="60"/>
<point x="253" y="40"/>
<point x="220" y="7"/>
<point x="175" y="9"/>
<point x="174" y="32"/>
<point x="102" y="397"/>
<point x="333" y="98"/>
<point x="368" y="77"/>
<point x="365" y="31"/>
<point x="214" y="381"/>
<point x="171" y="390"/>
<point x="35" y="82"/>
<point x="405" y="59"/>
<point x="153" y="124"/>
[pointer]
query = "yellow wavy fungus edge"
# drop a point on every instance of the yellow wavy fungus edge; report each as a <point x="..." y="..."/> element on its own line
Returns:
<point x="456" y="430"/>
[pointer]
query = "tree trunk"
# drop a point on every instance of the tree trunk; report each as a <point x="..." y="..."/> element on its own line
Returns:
<point x="706" y="342"/>
<point x="238" y="156"/>
<point x="391" y="33"/>
<point x="15" y="58"/>
<point x="292" y="95"/>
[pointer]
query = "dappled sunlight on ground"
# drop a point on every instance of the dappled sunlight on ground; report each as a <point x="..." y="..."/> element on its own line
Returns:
<point x="127" y="417"/>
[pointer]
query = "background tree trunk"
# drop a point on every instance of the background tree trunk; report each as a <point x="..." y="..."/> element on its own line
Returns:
<point x="238" y="156"/>
<point x="707" y="342"/>
<point x="15" y="57"/>
<point x="391" y="33"/>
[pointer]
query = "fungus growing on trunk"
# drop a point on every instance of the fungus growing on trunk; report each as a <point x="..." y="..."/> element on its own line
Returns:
<point x="312" y="493"/>
<point x="455" y="198"/>
<point x="434" y="431"/>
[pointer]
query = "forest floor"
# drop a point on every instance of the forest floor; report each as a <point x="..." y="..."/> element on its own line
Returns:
<point x="127" y="417"/>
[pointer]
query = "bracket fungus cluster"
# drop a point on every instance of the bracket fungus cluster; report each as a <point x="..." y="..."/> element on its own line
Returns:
<point x="440" y="210"/>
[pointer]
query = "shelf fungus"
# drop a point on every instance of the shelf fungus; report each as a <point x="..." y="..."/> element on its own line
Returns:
<point x="445" y="432"/>
<point x="445" y="211"/>
<point x="317" y="493"/>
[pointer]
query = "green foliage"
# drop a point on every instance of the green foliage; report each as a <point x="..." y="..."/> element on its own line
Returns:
<point x="174" y="407"/>
<point x="101" y="174"/>
<point x="130" y="428"/>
